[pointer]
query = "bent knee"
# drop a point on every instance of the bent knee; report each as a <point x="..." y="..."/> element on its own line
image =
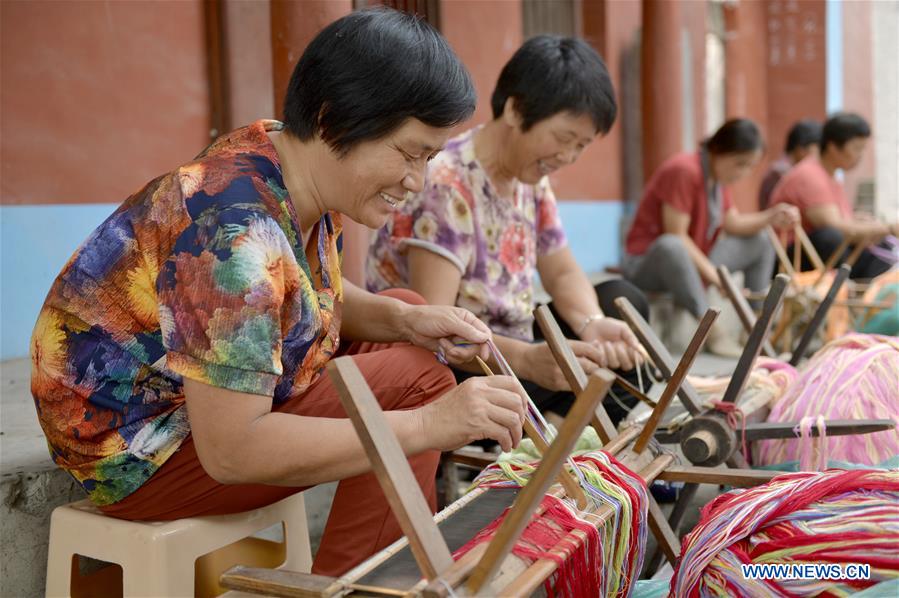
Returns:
<point x="419" y="369"/>
<point x="671" y="247"/>
<point x="759" y="244"/>
<point x="827" y="236"/>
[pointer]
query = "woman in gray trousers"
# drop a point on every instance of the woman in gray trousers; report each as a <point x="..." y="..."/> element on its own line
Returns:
<point x="686" y="225"/>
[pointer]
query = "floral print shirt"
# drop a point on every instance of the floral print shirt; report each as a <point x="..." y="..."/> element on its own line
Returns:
<point x="493" y="241"/>
<point x="201" y="274"/>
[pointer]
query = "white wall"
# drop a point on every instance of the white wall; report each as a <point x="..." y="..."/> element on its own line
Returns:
<point x="885" y="16"/>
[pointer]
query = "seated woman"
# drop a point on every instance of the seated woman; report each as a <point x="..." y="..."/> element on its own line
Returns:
<point x="802" y="141"/>
<point x="675" y="241"/>
<point x="486" y="222"/>
<point x="177" y="361"/>
<point x="826" y="212"/>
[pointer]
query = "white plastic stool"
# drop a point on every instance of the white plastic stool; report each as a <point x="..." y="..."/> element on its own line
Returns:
<point x="157" y="558"/>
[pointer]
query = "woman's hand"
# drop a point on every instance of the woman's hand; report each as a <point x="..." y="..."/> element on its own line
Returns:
<point x="540" y="367"/>
<point x="783" y="216"/>
<point x="619" y="347"/>
<point x="479" y="408"/>
<point x="452" y="332"/>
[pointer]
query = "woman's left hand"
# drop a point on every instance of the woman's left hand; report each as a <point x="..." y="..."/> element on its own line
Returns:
<point x="623" y="350"/>
<point x="452" y="332"/>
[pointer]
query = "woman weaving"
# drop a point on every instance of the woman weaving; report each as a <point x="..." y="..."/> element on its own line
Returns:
<point x="686" y="225"/>
<point x="486" y="222"/>
<point x="178" y="357"/>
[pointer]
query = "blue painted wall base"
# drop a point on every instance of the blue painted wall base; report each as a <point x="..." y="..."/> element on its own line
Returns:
<point x="35" y="243"/>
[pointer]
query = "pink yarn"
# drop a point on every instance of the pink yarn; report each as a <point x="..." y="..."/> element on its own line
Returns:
<point x="813" y="450"/>
<point x="853" y="377"/>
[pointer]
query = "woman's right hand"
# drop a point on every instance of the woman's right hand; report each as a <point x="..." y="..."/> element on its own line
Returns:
<point x="479" y="408"/>
<point x="539" y="365"/>
<point x="784" y="216"/>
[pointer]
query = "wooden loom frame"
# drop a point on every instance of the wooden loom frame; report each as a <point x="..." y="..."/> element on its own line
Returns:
<point x="793" y="305"/>
<point x="701" y="436"/>
<point x="471" y="574"/>
<point x="748" y="320"/>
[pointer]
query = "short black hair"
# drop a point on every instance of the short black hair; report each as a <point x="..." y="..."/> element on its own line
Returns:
<point x="736" y="136"/>
<point x="802" y="134"/>
<point x="843" y="126"/>
<point x="550" y="74"/>
<point x="366" y="73"/>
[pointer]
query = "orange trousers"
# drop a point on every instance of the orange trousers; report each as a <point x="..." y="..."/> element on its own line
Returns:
<point x="360" y="523"/>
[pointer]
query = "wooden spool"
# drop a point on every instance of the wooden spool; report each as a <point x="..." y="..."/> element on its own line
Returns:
<point x="708" y="440"/>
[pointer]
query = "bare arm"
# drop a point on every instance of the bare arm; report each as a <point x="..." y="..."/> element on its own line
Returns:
<point x="828" y="215"/>
<point x="370" y="317"/>
<point x="433" y="276"/>
<point x="575" y="300"/>
<point x="744" y="225"/>
<point x="248" y="443"/>
<point x="573" y="295"/>
<point x="376" y="318"/>
<point x="677" y="223"/>
<point x="780" y="215"/>
<point x="437" y="280"/>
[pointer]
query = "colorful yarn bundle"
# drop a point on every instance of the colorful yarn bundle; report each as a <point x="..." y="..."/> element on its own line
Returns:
<point x="544" y="430"/>
<point x="609" y="560"/>
<point x="768" y="381"/>
<point x="854" y="377"/>
<point x="835" y="517"/>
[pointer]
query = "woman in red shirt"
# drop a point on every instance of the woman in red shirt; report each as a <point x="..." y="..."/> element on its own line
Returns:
<point x="827" y="214"/>
<point x="675" y="242"/>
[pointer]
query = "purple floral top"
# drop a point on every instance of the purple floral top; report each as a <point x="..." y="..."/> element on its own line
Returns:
<point x="493" y="241"/>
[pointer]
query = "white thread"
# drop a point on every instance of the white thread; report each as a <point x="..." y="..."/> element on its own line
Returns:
<point x="449" y="588"/>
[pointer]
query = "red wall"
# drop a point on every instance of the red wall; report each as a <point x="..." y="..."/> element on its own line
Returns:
<point x="293" y="25"/>
<point x="746" y="85"/>
<point x="858" y="82"/>
<point x="797" y="79"/>
<point x="484" y="34"/>
<point x="611" y="27"/>
<point x="98" y="97"/>
<point x="248" y="44"/>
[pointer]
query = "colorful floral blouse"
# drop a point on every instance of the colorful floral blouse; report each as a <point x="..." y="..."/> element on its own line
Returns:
<point x="493" y="241"/>
<point x="201" y="274"/>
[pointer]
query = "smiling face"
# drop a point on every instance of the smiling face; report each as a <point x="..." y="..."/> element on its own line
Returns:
<point x="730" y="168"/>
<point x="550" y="144"/>
<point x="373" y="179"/>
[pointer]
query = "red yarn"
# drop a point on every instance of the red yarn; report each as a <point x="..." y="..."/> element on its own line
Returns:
<point x="581" y="563"/>
<point x="581" y="568"/>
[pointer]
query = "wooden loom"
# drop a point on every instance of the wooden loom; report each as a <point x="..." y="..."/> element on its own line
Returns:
<point x="708" y="437"/>
<point x="420" y="564"/>
<point x="805" y="295"/>
<point x="747" y="318"/>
